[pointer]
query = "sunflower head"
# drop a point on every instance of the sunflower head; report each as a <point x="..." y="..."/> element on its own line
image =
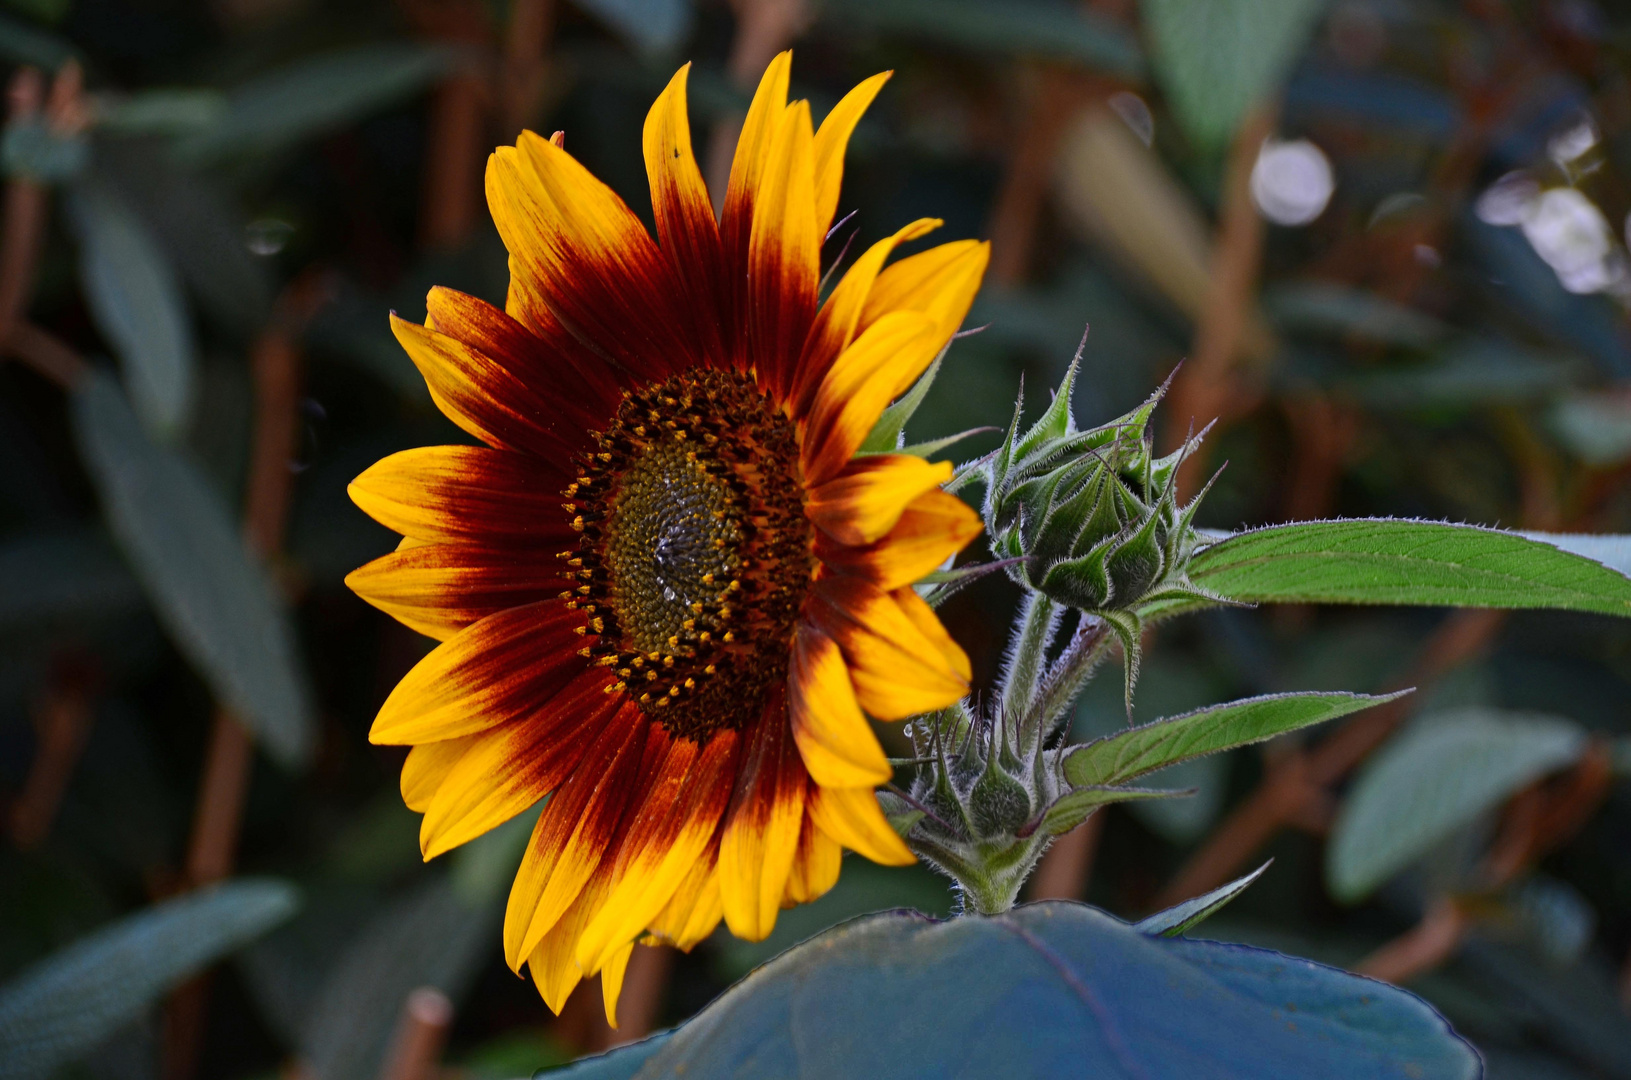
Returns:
<point x="671" y="595"/>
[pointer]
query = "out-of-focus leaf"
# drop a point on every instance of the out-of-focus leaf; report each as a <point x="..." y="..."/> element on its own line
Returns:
<point x="1479" y="372"/>
<point x="214" y="599"/>
<point x="1175" y="920"/>
<point x="200" y="228"/>
<point x="32" y="150"/>
<point x="652" y="26"/>
<point x="1554" y="917"/>
<point x="1217" y="59"/>
<point x="316" y="95"/>
<point x="66" y="1004"/>
<point x="138" y="304"/>
<point x="1391" y="561"/>
<point x="21" y="43"/>
<point x="1026" y="27"/>
<point x="1595" y="427"/>
<point x="1433" y="779"/>
<point x="181" y="111"/>
<point x="482" y="870"/>
<point x="62" y="575"/>
<point x="1136" y="751"/>
<point x="1120" y="194"/>
<point x="429" y="938"/>
<point x="1378" y="97"/>
<point x="1321" y="307"/>
<point x="1062" y="990"/>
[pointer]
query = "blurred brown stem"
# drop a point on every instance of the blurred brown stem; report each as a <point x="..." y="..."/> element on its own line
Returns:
<point x="457" y="140"/>
<point x="62" y="721"/>
<point x="1060" y="95"/>
<point x="526" y="62"/>
<point x="640" y="1005"/>
<point x="416" y="1048"/>
<point x="1424" y="947"/>
<point x="1209" y="386"/>
<point x="1063" y="872"/>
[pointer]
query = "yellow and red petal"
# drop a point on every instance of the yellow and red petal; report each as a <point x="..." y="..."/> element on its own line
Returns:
<point x="833" y="736"/>
<point x="853" y="817"/>
<point x="512" y="766"/>
<point x="934" y="526"/>
<point x="439" y="589"/>
<point x="693" y="911"/>
<point x="587" y="257"/>
<point x="564" y="382"/>
<point x="761" y="829"/>
<point x="832" y="139"/>
<point x="753" y="147"/>
<point x="506" y="667"/>
<point x="868" y="498"/>
<point x="859" y="386"/>
<point x="574" y="835"/>
<point x="815" y="865"/>
<point x="554" y="971"/>
<point x="611" y="981"/>
<point x="835" y="324"/>
<point x="896" y="669"/>
<point x="686" y="229"/>
<point x="667" y="836"/>
<point x="452" y="494"/>
<point x="783" y="254"/>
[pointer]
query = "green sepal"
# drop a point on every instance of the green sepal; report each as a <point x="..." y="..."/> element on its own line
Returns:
<point x="885" y="436"/>
<point x="1181" y="917"/>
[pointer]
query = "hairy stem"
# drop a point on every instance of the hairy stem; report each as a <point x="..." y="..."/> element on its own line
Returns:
<point x="1067" y="677"/>
<point x="1027" y="651"/>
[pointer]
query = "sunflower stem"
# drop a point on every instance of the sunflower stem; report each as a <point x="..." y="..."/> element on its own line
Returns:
<point x="1027" y="652"/>
<point x="1069" y="674"/>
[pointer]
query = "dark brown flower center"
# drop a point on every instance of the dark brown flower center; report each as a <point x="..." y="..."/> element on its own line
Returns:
<point x="696" y="553"/>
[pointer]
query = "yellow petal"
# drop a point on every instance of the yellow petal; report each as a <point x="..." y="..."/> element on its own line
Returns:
<point x="853" y="817"/>
<point x="934" y="526"/>
<point x="753" y="149"/>
<point x="833" y="737"/>
<point x="815" y="867"/>
<point x="940" y="282"/>
<point x="896" y="670"/>
<point x="831" y="141"/>
<point x="869" y="497"/>
<point x="928" y="624"/>
<point x="611" y="980"/>
<point x="762" y="829"/>
<point x="427" y="766"/>
<point x="858" y="388"/>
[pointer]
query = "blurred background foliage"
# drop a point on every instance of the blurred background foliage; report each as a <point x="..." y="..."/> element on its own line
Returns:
<point x="1387" y="237"/>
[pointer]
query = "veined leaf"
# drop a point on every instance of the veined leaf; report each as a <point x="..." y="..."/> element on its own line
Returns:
<point x="1073" y="807"/>
<point x="1433" y="779"/>
<point x="1217" y="59"/>
<point x="1136" y="751"/>
<point x="314" y="96"/>
<point x="1061" y="989"/>
<point x="1392" y="561"/>
<point x="1179" y="918"/>
<point x="137" y="300"/>
<point x="70" y="1001"/>
<point x="211" y="595"/>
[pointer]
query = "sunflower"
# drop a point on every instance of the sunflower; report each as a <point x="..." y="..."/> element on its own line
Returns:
<point x="669" y="590"/>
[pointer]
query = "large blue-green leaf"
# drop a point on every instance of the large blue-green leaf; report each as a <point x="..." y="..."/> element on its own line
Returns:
<point x="314" y="96"/>
<point x="1435" y="778"/>
<point x="73" y="999"/>
<point x="216" y="601"/>
<point x="1390" y="561"/>
<point x="1048" y="990"/>
<point x="136" y="298"/>
<point x="1217" y="59"/>
<point x="652" y="26"/>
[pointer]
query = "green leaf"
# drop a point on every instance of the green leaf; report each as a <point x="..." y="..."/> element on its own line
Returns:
<point x="180" y="111"/>
<point x="1047" y="990"/>
<point x="1433" y="779"/>
<point x="70" y="1001"/>
<point x="1073" y="807"/>
<point x="933" y="446"/>
<point x="1390" y="561"/>
<point x="885" y="436"/>
<point x="1181" y="917"/>
<point x="1136" y="751"/>
<point x="315" y="96"/>
<point x="1054" y="31"/>
<point x="1325" y="308"/>
<point x="62" y="575"/>
<point x="1611" y="549"/>
<point x="211" y="595"/>
<point x="21" y="43"/>
<point x="138" y="305"/>
<point x="1217" y="59"/>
